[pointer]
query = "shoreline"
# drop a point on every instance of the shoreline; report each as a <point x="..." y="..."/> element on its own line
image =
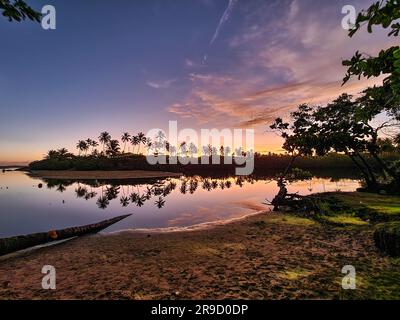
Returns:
<point x="267" y="255"/>
<point x="167" y="230"/>
<point x="263" y="255"/>
<point x="104" y="175"/>
<point x="196" y="227"/>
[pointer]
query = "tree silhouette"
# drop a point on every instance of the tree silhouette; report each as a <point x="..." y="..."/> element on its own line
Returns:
<point x="82" y="146"/>
<point x="91" y="143"/>
<point x="124" y="201"/>
<point x="160" y="202"/>
<point x="141" y="139"/>
<point x="345" y="126"/>
<point x="104" y="139"/>
<point x="135" y="141"/>
<point x="103" y="202"/>
<point x="113" y="148"/>
<point x="18" y="10"/>
<point x="386" y="15"/>
<point x="126" y="137"/>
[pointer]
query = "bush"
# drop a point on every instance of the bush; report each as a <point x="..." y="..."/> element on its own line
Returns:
<point x="387" y="238"/>
<point x="51" y="164"/>
<point x="85" y="164"/>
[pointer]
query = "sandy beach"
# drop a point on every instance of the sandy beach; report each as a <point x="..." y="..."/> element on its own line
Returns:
<point x="266" y="256"/>
<point x="109" y="175"/>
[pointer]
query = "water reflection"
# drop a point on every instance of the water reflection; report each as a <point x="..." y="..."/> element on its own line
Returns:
<point x="138" y="193"/>
<point x="155" y="203"/>
<point x="156" y="191"/>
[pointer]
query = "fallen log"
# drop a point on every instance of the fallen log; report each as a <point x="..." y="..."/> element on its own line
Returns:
<point x="9" y="245"/>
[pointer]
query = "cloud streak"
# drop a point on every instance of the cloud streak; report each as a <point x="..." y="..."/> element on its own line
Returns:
<point x="223" y="20"/>
<point x="164" y="84"/>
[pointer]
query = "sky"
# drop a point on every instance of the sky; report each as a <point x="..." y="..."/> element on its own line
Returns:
<point x="134" y="65"/>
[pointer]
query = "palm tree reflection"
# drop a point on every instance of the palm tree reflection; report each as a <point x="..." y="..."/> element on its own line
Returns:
<point x="143" y="192"/>
<point x="102" y="202"/>
<point x="160" y="202"/>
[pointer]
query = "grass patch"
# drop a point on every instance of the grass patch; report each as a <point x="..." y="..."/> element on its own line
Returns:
<point x="295" y="274"/>
<point x="344" y="220"/>
<point x="291" y="220"/>
<point x="340" y="207"/>
<point x="387" y="209"/>
<point x="374" y="206"/>
<point x="376" y="285"/>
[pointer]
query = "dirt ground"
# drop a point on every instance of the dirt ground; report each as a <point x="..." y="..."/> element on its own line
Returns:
<point x="267" y="256"/>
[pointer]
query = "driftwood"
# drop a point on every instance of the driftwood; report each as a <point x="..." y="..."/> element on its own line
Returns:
<point x="9" y="245"/>
<point x="293" y="202"/>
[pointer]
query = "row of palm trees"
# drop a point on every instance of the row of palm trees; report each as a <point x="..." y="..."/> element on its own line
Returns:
<point x="111" y="146"/>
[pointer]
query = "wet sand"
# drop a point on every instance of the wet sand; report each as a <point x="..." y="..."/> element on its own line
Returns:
<point x="109" y="175"/>
<point x="267" y="256"/>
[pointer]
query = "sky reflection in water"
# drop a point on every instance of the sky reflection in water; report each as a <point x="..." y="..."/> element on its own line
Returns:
<point x="26" y="208"/>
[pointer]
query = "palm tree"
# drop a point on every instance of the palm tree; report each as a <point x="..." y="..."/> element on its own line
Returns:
<point x="141" y="139"/>
<point x="192" y="149"/>
<point x="113" y="148"/>
<point x="94" y="145"/>
<point x="149" y="144"/>
<point x="63" y="152"/>
<point x="104" y="138"/>
<point x="82" y="146"/>
<point x="52" y="154"/>
<point x="183" y="148"/>
<point x="135" y="142"/>
<point x="91" y="143"/>
<point x="126" y="137"/>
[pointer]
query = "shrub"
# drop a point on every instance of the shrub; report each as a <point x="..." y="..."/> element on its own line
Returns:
<point x="387" y="238"/>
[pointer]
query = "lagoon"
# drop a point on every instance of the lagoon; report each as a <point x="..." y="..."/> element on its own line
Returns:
<point x="29" y="205"/>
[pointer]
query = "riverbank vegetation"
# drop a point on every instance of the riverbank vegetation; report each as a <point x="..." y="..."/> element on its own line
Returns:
<point x="268" y="164"/>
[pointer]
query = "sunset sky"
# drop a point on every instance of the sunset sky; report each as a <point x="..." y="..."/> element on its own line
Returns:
<point x="134" y="65"/>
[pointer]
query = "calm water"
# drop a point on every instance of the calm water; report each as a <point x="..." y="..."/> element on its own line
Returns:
<point x="165" y="203"/>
